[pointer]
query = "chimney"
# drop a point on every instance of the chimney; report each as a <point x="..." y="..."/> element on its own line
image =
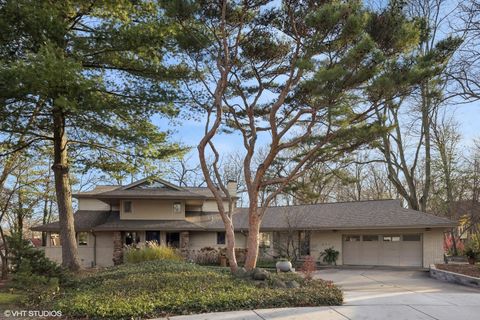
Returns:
<point x="232" y="187"/>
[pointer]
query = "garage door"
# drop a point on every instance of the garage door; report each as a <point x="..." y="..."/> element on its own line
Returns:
<point x="383" y="249"/>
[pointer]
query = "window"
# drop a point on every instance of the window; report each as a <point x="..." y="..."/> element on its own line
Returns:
<point x="304" y="243"/>
<point x="411" y="237"/>
<point x="391" y="238"/>
<point x="55" y="240"/>
<point x="265" y="239"/>
<point x="177" y="207"/>
<point x="82" y="238"/>
<point x="368" y="237"/>
<point x="131" y="238"/>
<point x="127" y="206"/>
<point x="351" y="238"/>
<point x="220" y="237"/>
<point x="173" y="239"/>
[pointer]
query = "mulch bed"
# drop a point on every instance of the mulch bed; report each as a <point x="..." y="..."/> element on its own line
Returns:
<point x="466" y="269"/>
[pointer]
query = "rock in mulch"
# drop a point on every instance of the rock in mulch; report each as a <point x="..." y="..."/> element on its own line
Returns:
<point x="260" y="274"/>
<point x="242" y="273"/>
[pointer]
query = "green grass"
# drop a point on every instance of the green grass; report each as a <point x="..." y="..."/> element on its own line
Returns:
<point x="160" y="288"/>
<point x="9" y="300"/>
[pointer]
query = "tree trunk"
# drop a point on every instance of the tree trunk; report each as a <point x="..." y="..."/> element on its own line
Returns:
<point x="428" y="157"/>
<point x="64" y="194"/>
<point x="252" y="239"/>
<point x="4" y="255"/>
<point x="230" y="235"/>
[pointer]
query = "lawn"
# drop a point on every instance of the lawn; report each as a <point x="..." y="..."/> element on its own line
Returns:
<point x="161" y="288"/>
<point x="9" y="300"/>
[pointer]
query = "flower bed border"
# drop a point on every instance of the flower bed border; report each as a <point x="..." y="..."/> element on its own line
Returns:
<point x="454" y="277"/>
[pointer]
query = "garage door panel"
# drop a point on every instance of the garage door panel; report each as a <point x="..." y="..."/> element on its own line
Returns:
<point x="411" y="253"/>
<point x="390" y="254"/>
<point x="369" y="252"/>
<point x="351" y="252"/>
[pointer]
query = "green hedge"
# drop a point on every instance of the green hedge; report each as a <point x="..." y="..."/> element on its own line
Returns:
<point x="160" y="288"/>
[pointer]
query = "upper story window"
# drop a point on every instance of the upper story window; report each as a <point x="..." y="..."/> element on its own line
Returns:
<point x="82" y="238"/>
<point x="127" y="206"/>
<point x="177" y="207"/>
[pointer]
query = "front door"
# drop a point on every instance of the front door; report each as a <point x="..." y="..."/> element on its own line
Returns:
<point x="152" y="236"/>
<point x="173" y="239"/>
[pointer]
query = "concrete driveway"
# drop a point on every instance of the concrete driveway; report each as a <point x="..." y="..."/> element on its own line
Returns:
<point x="400" y="294"/>
<point x="377" y="294"/>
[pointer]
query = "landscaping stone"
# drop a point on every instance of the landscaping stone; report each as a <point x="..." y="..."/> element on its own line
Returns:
<point x="260" y="274"/>
<point x="292" y="284"/>
<point x="242" y="273"/>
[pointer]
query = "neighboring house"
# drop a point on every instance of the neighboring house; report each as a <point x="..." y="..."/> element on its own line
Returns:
<point x="364" y="232"/>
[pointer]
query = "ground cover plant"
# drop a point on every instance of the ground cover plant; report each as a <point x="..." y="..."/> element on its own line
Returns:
<point x="160" y="288"/>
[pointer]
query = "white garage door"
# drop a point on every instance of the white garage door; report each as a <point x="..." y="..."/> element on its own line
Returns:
<point x="383" y="249"/>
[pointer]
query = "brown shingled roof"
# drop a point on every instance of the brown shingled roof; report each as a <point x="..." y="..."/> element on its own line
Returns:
<point x="84" y="221"/>
<point x="114" y="223"/>
<point x="341" y="215"/>
<point x="132" y="191"/>
<point x="379" y="214"/>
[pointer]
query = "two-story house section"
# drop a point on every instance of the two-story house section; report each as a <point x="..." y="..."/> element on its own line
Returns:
<point x="112" y="217"/>
<point x="377" y="232"/>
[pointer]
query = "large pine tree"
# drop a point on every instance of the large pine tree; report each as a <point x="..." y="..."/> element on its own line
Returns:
<point x="297" y="81"/>
<point x="87" y="77"/>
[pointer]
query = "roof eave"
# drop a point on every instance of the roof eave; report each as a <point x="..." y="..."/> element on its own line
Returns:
<point x="146" y="197"/>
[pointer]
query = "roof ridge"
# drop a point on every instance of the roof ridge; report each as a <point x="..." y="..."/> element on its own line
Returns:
<point x="327" y="203"/>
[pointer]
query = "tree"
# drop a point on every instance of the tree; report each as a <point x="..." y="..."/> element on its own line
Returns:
<point x="289" y="77"/>
<point x="85" y="77"/>
<point x="465" y="69"/>
<point x="407" y="149"/>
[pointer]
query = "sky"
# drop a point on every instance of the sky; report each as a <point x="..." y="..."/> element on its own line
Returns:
<point x="467" y="116"/>
<point x="189" y="132"/>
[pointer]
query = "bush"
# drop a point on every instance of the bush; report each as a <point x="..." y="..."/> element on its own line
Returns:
<point x="330" y="255"/>
<point x="266" y="263"/>
<point x="31" y="266"/>
<point x="207" y="256"/>
<point x="162" y="288"/>
<point x="308" y="267"/>
<point x="448" y="245"/>
<point x="152" y="251"/>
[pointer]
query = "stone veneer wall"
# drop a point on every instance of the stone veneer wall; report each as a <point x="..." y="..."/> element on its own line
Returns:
<point x="453" y="277"/>
<point x="184" y="243"/>
<point x="117" y="248"/>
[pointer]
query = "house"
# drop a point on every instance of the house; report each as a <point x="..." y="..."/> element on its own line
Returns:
<point x="378" y="232"/>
